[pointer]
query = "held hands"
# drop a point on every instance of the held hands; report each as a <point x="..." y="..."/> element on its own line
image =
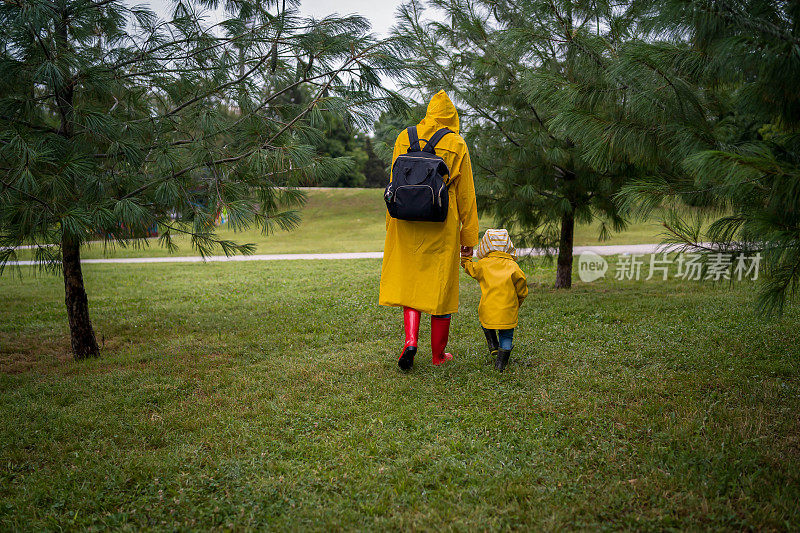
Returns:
<point x="466" y="255"/>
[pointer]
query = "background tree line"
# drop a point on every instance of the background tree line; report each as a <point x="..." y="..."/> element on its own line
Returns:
<point x="368" y="168"/>
<point x="345" y="140"/>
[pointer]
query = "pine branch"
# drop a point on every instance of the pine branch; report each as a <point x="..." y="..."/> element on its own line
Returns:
<point x="208" y="93"/>
<point x="36" y="199"/>
<point x="761" y="26"/>
<point x="28" y="124"/>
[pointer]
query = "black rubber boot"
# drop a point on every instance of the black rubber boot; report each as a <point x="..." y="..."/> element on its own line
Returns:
<point x="406" y="360"/>
<point x="502" y="359"/>
<point x="491" y="340"/>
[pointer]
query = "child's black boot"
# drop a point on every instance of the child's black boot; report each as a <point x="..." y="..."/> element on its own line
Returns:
<point x="491" y="340"/>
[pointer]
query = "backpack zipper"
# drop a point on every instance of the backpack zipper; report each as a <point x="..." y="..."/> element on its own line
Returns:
<point x="433" y="195"/>
<point x="440" y="193"/>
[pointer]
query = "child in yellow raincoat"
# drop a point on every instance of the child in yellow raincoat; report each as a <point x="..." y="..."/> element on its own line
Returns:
<point x="503" y="288"/>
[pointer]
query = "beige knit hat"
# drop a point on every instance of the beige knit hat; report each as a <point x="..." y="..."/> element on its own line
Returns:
<point x="496" y="240"/>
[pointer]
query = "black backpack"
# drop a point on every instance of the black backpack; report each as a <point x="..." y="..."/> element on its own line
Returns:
<point x="418" y="190"/>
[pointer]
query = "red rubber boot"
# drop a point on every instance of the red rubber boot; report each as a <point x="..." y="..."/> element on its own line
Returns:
<point x="411" y="323"/>
<point x="440" y="331"/>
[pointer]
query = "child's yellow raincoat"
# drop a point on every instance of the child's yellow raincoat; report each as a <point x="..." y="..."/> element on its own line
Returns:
<point x="503" y="283"/>
<point x="420" y="259"/>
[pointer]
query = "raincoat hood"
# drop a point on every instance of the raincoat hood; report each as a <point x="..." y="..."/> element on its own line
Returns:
<point x="496" y="240"/>
<point x="442" y="111"/>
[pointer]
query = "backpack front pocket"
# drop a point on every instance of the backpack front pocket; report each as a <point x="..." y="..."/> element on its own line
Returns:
<point x="414" y="202"/>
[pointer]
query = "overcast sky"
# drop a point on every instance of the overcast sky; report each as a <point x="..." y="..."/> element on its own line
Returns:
<point x="379" y="12"/>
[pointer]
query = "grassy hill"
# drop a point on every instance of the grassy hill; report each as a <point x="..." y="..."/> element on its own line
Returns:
<point x="347" y="220"/>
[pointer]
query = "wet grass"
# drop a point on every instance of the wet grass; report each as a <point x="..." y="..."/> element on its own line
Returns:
<point x="267" y="396"/>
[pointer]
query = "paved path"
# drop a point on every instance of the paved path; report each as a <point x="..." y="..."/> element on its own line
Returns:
<point x="617" y="249"/>
<point x="600" y="250"/>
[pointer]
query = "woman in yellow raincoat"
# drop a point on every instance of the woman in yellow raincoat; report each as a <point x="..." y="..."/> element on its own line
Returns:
<point x="421" y="259"/>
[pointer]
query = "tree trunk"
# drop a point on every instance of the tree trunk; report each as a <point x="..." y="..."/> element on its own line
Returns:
<point x="64" y="92"/>
<point x="84" y="343"/>
<point x="564" y="262"/>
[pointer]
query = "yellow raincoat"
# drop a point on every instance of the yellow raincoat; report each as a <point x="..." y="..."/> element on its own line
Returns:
<point x="421" y="259"/>
<point x="503" y="288"/>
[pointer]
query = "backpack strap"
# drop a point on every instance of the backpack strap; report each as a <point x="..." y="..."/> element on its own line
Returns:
<point x="413" y="138"/>
<point x="429" y="147"/>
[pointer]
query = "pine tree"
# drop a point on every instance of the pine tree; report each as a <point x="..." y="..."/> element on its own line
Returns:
<point x="511" y="67"/>
<point x="389" y="126"/>
<point x="713" y="91"/>
<point x="113" y="121"/>
<point x="374" y="167"/>
<point x="342" y="141"/>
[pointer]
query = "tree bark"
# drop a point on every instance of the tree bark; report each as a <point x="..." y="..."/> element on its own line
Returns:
<point x="564" y="262"/>
<point x="84" y="343"/>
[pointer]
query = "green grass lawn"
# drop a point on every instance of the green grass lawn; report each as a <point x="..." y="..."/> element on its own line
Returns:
<point x="266" y="395"/>
<point x="347" y="220"/>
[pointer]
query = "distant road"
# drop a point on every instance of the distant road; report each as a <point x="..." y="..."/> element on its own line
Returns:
<point x="600" y="250"/>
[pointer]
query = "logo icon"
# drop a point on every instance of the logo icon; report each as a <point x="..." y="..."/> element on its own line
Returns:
<point x="591" y="267"/>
